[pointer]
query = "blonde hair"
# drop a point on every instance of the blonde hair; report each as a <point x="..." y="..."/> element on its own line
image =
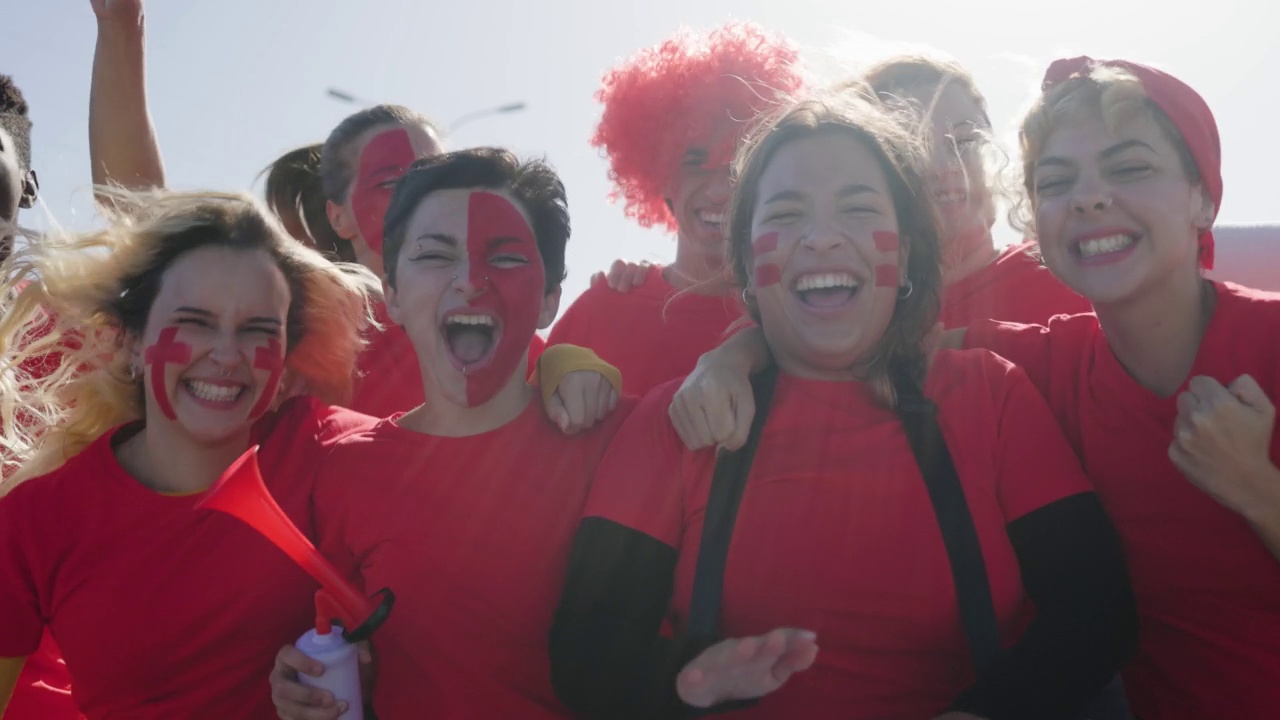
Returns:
<point x="72" y="300"/>
<point x="1114" y="92"/>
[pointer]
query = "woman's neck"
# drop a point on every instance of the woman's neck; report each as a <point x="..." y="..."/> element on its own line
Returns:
<point x="163" y="458"/>
<point x="698" y="270"/>
<point x="967" y="254"/>
<point x="443" y="417"/>
<point x="1156" y="337"/>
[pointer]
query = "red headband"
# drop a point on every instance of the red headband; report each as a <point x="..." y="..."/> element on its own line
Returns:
<point x="1184" y="106"/>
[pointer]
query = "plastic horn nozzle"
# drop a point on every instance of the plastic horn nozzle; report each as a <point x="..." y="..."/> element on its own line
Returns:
<point x="241" y="493"/>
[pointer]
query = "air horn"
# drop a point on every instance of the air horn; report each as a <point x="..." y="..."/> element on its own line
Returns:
<point x="241" y="493"/>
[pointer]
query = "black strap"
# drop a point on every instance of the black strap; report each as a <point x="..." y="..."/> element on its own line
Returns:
<point x="968" y="569"/>
<point x="727" y="485"/>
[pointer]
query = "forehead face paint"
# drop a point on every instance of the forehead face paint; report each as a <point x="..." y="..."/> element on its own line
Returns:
<point x="886" y="243"/>
<point x="165" y="350"/>
<point x="271" y="359"/>
<point x="384" y="159"/>
<point x="512" y="292"/>
<point x="765" y="264"/>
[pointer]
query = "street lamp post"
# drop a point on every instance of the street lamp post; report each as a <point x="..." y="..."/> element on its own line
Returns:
<point x="346" y="97"/>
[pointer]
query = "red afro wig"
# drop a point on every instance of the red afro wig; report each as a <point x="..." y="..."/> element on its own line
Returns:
<point x="684" y="93"/>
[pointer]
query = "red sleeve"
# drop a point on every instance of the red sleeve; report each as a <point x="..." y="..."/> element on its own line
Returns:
<point x="330" y="509"/>
<point x="1026" y="346"/>
<point x="573" y="327"/>
<point x="22" y="623"/>
<point x="1035" y="464"/>
<point x="536" y="346"/>
<point x="639" y="482"/>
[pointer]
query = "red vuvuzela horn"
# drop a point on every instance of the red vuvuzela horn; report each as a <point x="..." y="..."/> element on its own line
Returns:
<point x="241" y="493"/>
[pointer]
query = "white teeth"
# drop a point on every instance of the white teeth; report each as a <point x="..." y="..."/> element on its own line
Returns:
<point x="470" y="320"/>
<point x="1104" y="245"/>
<point x="824" y="281"/>
<point x="214" y="393"/>
<point x="950" y="196"/>
<point x="713" y="218"/>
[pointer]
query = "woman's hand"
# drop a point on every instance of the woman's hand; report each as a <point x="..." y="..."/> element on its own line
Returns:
<point x="295" y="701"/>
<point x="746" y="668"/>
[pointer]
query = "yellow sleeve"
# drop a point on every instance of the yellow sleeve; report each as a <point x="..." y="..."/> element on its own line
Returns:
<point x="560" y="360"/>
<point x="10" y="668"/>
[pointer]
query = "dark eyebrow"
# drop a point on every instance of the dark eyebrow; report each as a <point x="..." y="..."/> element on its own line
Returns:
<point x="849" y="190"/>
<point x="449" y="240"/>
<point x="696" y="154"/>
<point x="1122" y="146"/>
<point x="206" y="314"/>
<point x="495" y="243"/>
<point x="784" y="195"/>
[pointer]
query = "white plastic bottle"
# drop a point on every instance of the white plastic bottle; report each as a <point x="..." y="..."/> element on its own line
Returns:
<point x="341" y="668"/>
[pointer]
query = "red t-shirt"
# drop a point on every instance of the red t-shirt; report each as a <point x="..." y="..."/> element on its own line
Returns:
<point x="161" y="611"/>
<point x="836" y="532"/>
<point x="1017" y="287"/>
<point x="1208" y="591"/>
<point x="652" y="334"/>
<point x="473" y="535"/>
<point x="390" y="379"/>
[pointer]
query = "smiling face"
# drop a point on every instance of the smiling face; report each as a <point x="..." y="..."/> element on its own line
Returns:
<point x="699" y="196"/>
<point x="957" y="176"/>
<point x="827" y="257"/>
<point x="469" y="290"/>
<point x="213" y="346"/>
<point x="1115" y="212"/>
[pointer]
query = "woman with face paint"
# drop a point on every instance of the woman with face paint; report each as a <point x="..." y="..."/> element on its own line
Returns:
<point x="980" y="281"/>
<point x="466" y="504"/>
<point x="672" y="117"/>
<point x="835" y="544"/>
<point x="1166" y="393"/>
<point x="182" y="328"/>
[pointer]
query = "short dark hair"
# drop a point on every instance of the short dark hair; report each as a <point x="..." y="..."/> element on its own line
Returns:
<point x="532" y="182"/>
<point x="14" y="119"/>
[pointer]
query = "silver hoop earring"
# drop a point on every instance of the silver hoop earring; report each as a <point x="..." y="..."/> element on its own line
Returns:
<point x="133" y="373"/>
<point x="746" y="296"/>
<point x="904" y="291"/>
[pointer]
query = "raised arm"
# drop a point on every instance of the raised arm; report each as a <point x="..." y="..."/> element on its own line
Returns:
<point x="122" y="140"/>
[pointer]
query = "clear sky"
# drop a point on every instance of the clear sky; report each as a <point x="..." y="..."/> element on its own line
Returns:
<point x="235" y="82"/>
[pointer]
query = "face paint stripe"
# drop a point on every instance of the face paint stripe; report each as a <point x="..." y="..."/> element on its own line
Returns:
<point x="887" y="276"/>
<point x="390" y="149"/>
<point x="269" y="358"/>
<point x="165" y="350"/>
<point x="765" y="244"/>
<point x="768" y="274"/>
<point x="512" y="294"/>
<point x="885" y="240"/>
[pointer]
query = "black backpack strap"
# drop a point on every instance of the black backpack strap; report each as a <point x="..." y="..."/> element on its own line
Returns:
<point x="727" y="485"/>
<point x="968" y="569"/>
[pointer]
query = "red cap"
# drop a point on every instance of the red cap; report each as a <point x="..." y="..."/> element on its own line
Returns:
<point x="1188" y="111"/>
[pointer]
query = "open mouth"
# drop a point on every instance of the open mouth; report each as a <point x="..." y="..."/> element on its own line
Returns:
<point x="471" y="338"/>
<point x="1104" y="248"/>
<point x="951" y="196"/>
<point x="217" y="395"/>
<point x="712" y="221"/>
<point x="826" y="290"/>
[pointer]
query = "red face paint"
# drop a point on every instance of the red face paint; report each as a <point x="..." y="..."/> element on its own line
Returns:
<point x="165" y="350"/>
<point x="513" y="293"/>
<point x="385" y="159"/>
<point x="269" y="358"/>
<point x="767" y="271"/>
<point x="887" y="276"/>
<point x="885" y="240"/>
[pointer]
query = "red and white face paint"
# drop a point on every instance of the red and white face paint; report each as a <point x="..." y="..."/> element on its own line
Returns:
<point x="826" y="255"/>
<point x="383" y="160"/>
<point x="214" y="342"/>
<point x="469" y="291"/>
<point x="512" y="293"/>
<point x="163" y="351"/>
